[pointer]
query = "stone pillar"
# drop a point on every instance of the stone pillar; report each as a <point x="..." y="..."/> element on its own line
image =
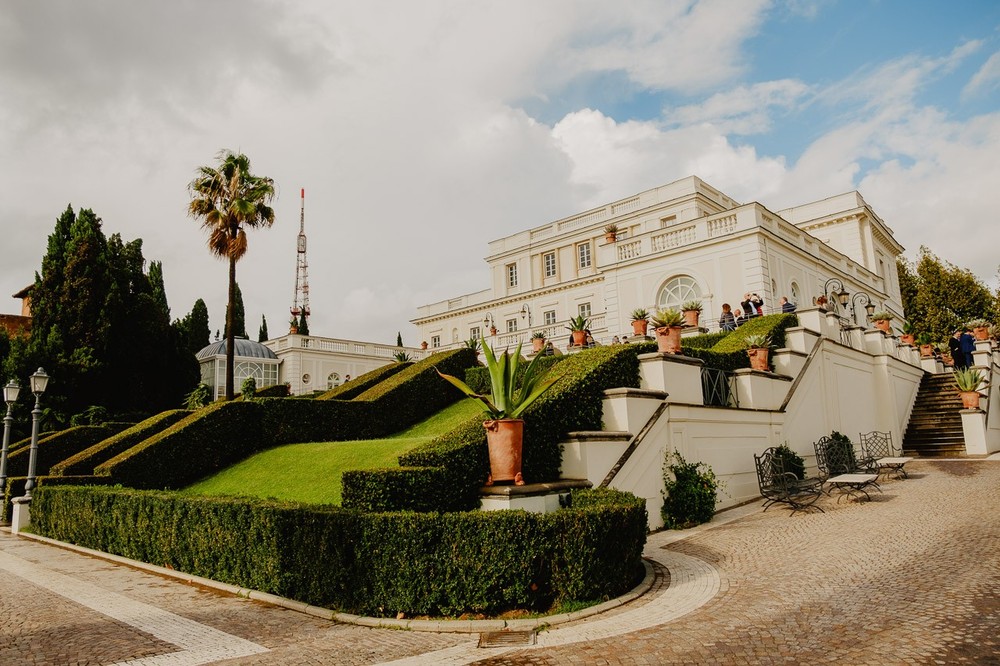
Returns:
<point x="974" y="429"/>
<point x="21" y="517"/>
<point x="677" y="375"/>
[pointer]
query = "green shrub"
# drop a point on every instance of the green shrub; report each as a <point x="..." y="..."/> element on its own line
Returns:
<point x="248" y="389"/>
<point x="93" y="415"/>
<point x="703" y="341"/>
<point x="727" y="361"/>
<point x="370" y="563"/>
<point x="690" y="493"/>
<point x="790" y="461"/>
<point x="358" y="385"/>
<point x="200" y="396"/>
<point x="58" y="446"/>
<point x="478" y="378"/>
<point x="275" y="391"/>
<point x="772" y="325"/>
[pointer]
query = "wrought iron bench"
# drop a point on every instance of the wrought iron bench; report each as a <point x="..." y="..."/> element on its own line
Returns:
<point x="881" y="456"/>
<point x="839" y="468"/>
<point x="778" y="486"/>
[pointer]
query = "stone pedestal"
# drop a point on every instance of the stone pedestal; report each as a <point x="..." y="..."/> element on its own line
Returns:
<point x="533" y="497"/>
<point x="678" y="375"/>
<point x="21" y="514"/>
<point x="627" y="409"/>
<point x="974" y="429"/>
<point x="801" y="339"/>
<point x="591" y="455"/>
<point x="761" y="390"/>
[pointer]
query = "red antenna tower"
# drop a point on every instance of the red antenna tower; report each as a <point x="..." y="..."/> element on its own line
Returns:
<point x="300" y="303"/>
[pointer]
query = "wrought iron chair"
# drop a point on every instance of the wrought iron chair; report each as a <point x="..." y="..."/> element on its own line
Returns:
<point x="881" y="456"/>
<point x="839" y="468"/>
<point x="780" y="487"/>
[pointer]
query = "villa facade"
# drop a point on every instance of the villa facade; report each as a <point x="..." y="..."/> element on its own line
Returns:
<point x="682" y="241"/>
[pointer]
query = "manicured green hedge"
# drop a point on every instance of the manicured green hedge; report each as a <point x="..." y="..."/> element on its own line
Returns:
<point x="85" y="461"/>
<point x="727" y="361"/>
<point x="358" y="385"/>
<point x="575" y="402"/>
<point x="57" y="447"/>
<point x="374" y="563"/>
<point x="773" y="325"/>
<point x="704" y="341"/>
<point x="16" y="485"/>
<point x="276" y="391"/>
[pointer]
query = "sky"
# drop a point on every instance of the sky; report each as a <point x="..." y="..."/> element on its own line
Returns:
<point x="420" y="131"/>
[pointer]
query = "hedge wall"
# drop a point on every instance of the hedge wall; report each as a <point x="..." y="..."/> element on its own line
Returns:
<point x="573" y="403"/>
<point x="360" y="384"/>
<point x="57" y="447"/>
<point x="773" y="325"/>
<point x="374" y="564"/>
<point x="727" y="361"/>
<point x="85" y="461"/>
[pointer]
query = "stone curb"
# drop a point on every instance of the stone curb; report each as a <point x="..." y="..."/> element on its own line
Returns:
<point x="437" y="626"/>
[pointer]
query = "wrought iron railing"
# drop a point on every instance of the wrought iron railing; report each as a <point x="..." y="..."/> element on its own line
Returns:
<point x="718" y="388"/>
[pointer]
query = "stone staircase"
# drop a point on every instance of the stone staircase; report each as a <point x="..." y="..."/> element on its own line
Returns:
<point x="935" y="428"/>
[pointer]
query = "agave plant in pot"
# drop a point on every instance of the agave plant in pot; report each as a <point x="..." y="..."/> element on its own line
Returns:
<point x="578" y="326"/>
<point x="668" y="324"/>
<point x="883" y="321"/>
<point x="506" y="402"/>
<point x="980" y="329"/>
<point x="691" y="311"/>
<point x="924" y="342"/>
<point x="758" y="347"/>
<point x="537" y="341"/>
<point x="969" y="381"/>
<point x="909" y="334"/>
<point x="640" y="321"/>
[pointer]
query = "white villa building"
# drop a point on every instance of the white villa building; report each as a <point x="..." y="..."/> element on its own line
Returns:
<point x="682" y="241"/>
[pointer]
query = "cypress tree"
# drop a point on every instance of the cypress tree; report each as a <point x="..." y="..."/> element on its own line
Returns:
<point x="239" y="317"/>
<point x="262" y="333"/>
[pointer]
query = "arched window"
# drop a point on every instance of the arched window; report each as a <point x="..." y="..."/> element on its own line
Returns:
<point x="676" y="291"/>
<point x="793" y="295"/>
<point x="333" y="380"/>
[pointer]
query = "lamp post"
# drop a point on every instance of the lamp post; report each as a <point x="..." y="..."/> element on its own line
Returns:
<point x="489" y="323"/>
<point x="869" y="306"/>
<point x="526" y="313"/>
<point x="834" y="287"/>
<point x="38" y="381"/>
<point x="10" y="393"/>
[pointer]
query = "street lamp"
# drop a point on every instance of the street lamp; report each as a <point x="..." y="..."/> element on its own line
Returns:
<point x="10" y="393"/>
<point x="38" y="382"/>
<point x="489" y="323"/>
<point x="526" y="313"/>
<point x="869" y="306"/>
<point x="835" y="287"/>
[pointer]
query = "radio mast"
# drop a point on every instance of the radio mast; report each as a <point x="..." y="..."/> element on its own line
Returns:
<point x="300" y="304"/>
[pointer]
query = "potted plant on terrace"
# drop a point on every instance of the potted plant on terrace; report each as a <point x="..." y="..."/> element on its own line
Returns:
<point x="691" y="311"/>
<point x="926" y="348"/>
<point x="980" y="329"/>
<point x="611" y="232"/>
<point x="908" y="336"/>
<point x="758" y="347"/>
<point x="969" y="381"/>
<point x="578" y="326"/>
<point x="640" y="321"/>
<point x="504" y="430"/>
<point x="537" y="341"/>
<point x="293" y="326"/>
<point x="668" y="330"/>
<point x="882" y="321"/>
<point x="472" y="344"/>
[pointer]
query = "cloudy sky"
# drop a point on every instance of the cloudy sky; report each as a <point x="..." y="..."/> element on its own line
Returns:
<point x="422" y="130"/>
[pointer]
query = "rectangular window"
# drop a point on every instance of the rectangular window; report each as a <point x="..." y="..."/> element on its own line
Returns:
<point x="511" y="325"/>
<point x="511" y="275"/>
<point x="584" y="310"/>
<point x="549" y="317"/>
<point x="435" y="341"/>
<point x="549" y="262"/>
<point x="474" y="333"/>
<point x="667" y="221"/>
<point x="583" y="251"/>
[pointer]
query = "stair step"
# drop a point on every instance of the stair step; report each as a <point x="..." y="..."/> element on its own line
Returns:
<point x="935" y="427"/>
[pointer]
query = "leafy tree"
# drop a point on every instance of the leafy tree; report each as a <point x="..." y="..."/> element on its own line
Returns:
<point x="239" y="318"/>
<point x="303" y="324"/>
<point x="938" y="296"/>
<point x="262" y="333"/>
<point x="199" y="335"/>
<point x="228" y="199"/>
<point x="158" y="290"/>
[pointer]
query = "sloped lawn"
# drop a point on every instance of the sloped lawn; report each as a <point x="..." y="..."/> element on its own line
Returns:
<point x="311" y="472"/>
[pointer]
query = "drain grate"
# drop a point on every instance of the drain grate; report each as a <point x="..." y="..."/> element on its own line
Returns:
<point x="495" y="639"/>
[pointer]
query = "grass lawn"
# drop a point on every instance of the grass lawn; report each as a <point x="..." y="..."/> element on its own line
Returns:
<point x="311" y="472"/>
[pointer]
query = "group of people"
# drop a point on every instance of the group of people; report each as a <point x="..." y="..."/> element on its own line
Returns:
<point x="751" y="306"/>
<point x="961" y="345"/>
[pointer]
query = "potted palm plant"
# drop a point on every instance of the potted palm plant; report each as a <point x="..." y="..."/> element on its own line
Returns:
<point x="640" y="321"/>
<point x="908" y="336"/>
<point x="293" y="326"/>
<point x="980" y="329"/>
<point x="691" y="311"/>
<point x="758" y="347"/>
<point x="506" y="402"/>
<point x="668" y="330"/>
<point x="926" y="348"/>
<point x="969" y="381"/>
<point x="611" y="232"/>
<point x="578" y="326"/>
<point x="537" y="341"/>
<point x="882" y="321"/>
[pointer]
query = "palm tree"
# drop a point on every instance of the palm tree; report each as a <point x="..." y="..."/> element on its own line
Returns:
<point x="228" y="199"/>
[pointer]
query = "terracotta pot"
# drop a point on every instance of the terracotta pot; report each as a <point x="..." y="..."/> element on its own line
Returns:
<point x="610" y="237"/>
<point x="639" y="327"/>
<point x="927" y="350"/>
<point x="579" y="338"/>
<point x="907" y="338"/>
<point x="537" y="344"/>
<point x="668" y="339"/>
<point x="691" y="317"/>
<point x="758" y="358"/>
<point x="423" y="345"/>
<point x="884" y="325"/>
<point x="293" y="330"/>
<point x="947" y="359"/>
<point x="505" y="439"/>
<point x="493" y="330"/>
<point x="981" y="333"/>
<point x="970" y="399"/>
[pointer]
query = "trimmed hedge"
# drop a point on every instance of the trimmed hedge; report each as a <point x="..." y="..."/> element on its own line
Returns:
<point x="727" y="361"/>
<point x="57" y="447"/>
<point x="376" y="563"/>
<point x="358" y="385"/>
<point x="704" y="341"/>
<point x="572" y="403"/>
<point x="772" y="324"/>
<point x="85" y="461"/>
<point x="276" y="391"/>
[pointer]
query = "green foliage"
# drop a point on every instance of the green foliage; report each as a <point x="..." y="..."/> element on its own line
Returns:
<point x="399" y="339"/>
<point x="757" y="341"/>
<point x="692" y="305"/>
<point x="402" y="357"/>
<point x="884" y="315"/>
<point x="538" y="335"/>
<point x="690" y="493"/>
<point x="239" y="317"/>
<point x="369" y="563"/>
<point x="703" y="341"/>
<point x="478" y="377"/>
<point x="275" y="391"/>
<point x="639" y="314"/>
<point x="938" y="296"/>
<point x="790" y="461"/>
<point x="303" y="324"/>
<point x="262" y="331"/>
<point x="840" y="454"/>
<point x="93" y="415"/>
<point x="192" y="330"/>
<point x="578" y="323"/>
<point x="969" y="379"/>
<point x="667" y="317"/>
<point x="472" y="343"/>
<point x="358" y="385"/>
<point x="773" y="325"/>
<point x="248" y="389"/>
<point x="508" y="396"/>
<point x="200" y="396"/>
<point x="58" y="446"/>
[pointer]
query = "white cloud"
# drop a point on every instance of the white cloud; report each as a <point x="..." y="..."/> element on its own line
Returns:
<point x="741" y="110"/>
<point x="986" y="78"/>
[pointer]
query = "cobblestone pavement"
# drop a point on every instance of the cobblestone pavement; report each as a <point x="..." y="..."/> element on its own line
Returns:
<point x="909" y="578"/>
